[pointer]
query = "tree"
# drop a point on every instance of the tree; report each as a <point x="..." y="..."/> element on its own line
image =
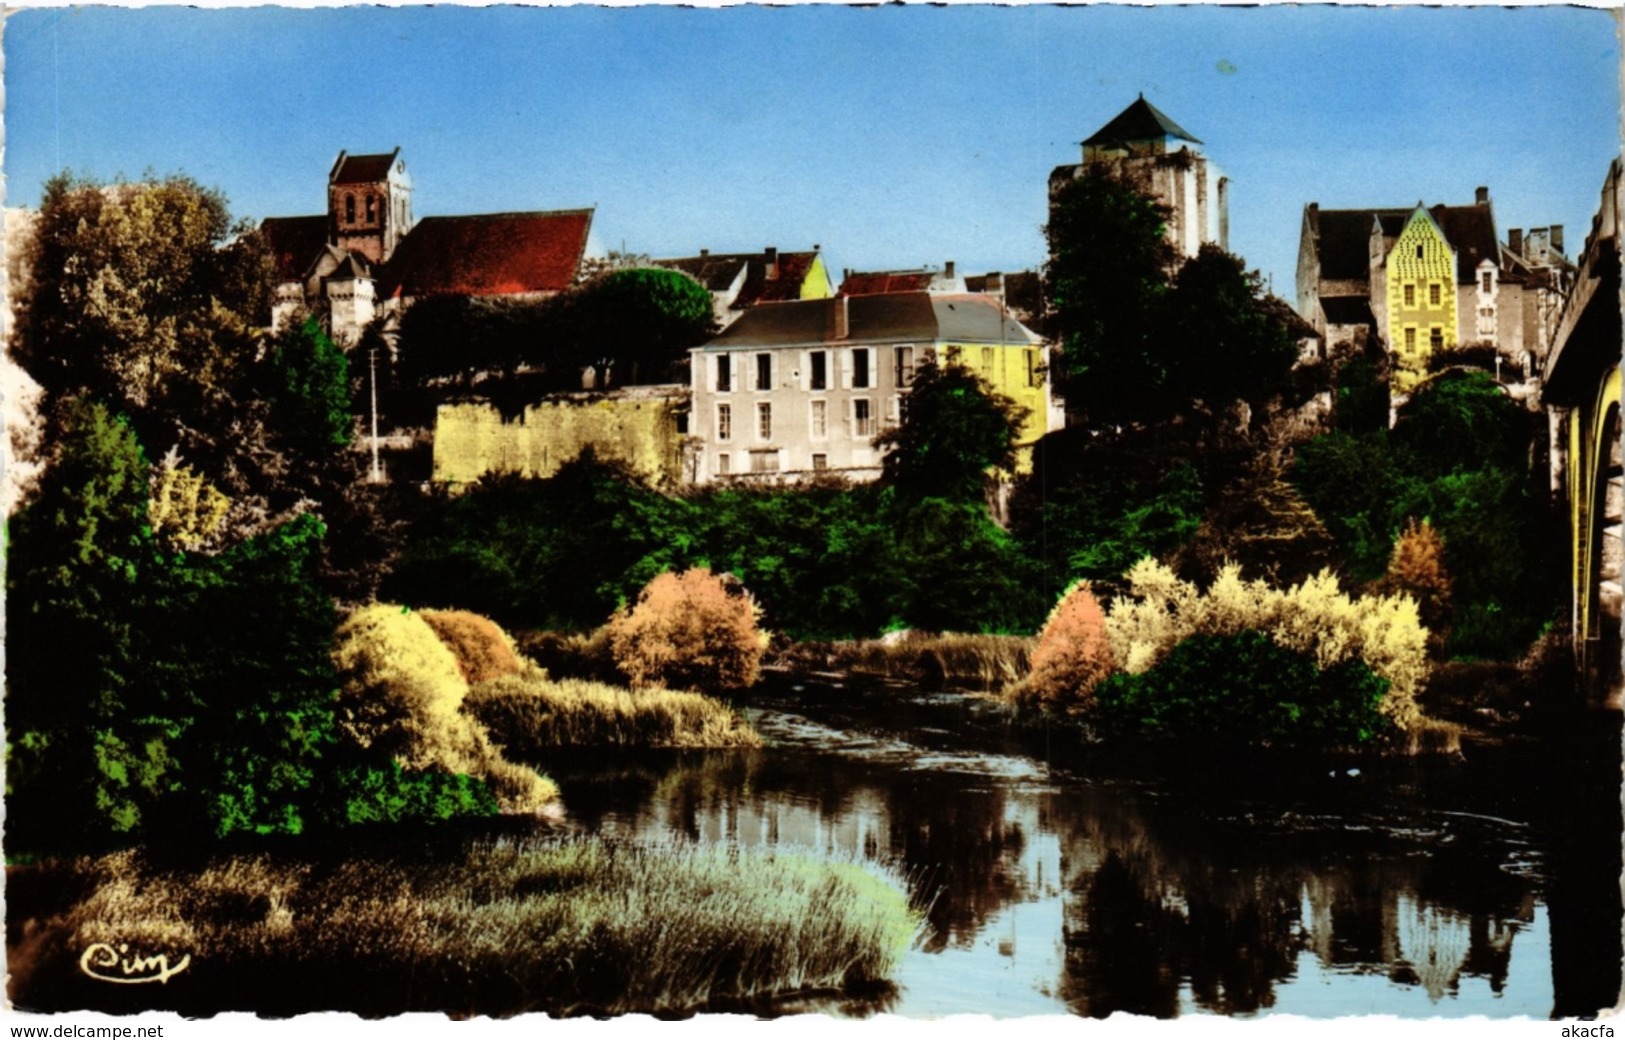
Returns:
<point x="310" y="392"/>
<point x="1105" y="280"/>
<point x="954" y="429"/>
<point x="638" y="324"/>
<point x="1218" y="341"/>
<point x="147" y="297"/>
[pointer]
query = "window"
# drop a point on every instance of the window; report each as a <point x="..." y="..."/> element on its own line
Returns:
<point x="820" y="420"/>
<point x="894" y="410"/>
<point x="1032" y="366"/>
<point x="764" y="421"/>
<point x="724" y="374"/>
<point x="1418" y="252"/>
<point x="953" y="355"/>
<point x="1434" y="294"/>
<point x="819" y="379"/>
<point x="820" y="462"/>
<point x="722" y="464"/>
<point x="1435" y="338"/>
<point x="860" y="367"/>
<point x="863" y="424"/>
<point x="1410" y="295"/>
<point x="1410" y="341"/>
<point x="372" y="209"/>
<point x="725" y="422"/>
<point x="905" y="365"/>
<point x="1488" y="281"/>
<point x="764" y="371"/>
<point x="764" y="462"/>
<point x="349" y="209"/>
<point x="987" y="362"/>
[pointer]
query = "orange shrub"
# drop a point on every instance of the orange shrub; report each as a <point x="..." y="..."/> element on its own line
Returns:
<point x="483" y="650"/>
<point x="689" y="631"/>
<point x="1072" y="654"/>
<point x="1416" y="568"/>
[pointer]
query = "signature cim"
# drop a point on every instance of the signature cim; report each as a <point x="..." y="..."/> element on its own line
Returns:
<point x="107" y="964"/>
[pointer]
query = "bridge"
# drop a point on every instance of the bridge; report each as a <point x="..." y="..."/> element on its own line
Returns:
<point x="1581" y="394"/>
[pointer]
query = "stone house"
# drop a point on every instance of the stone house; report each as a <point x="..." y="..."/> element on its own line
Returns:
<point x="739" y="281"/>
<point x="794" y="389"/>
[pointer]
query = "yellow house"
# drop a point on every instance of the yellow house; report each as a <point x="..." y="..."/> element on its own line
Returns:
<point x="1420" y="283"/>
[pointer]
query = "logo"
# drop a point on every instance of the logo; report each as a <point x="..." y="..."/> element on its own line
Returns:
<point x="106" y="964"/>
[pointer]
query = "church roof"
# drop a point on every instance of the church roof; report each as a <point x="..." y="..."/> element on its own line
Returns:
<point x="362" y="169"/>
<point x="489" y="255"/>
<point x="294" y="243"/>
<point x="1140" y="121"/>
<point x="904" y="317"/>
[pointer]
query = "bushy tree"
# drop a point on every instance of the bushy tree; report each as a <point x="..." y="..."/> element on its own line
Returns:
<point x="309" y="392"/>
<point x="954" y="429"/>
<point x="483" y="650"/>
<point x="689" y="631"/>
<point x="1218" y="341"/>
<point x="1416" y="569"/>
<point x="1071" y="657"/>
<point x="1105" y="282"/>
<point x="637" y="323"/>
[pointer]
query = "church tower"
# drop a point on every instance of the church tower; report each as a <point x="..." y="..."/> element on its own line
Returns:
<point x="369" y="204"/>
<point x="1151" y="153"/>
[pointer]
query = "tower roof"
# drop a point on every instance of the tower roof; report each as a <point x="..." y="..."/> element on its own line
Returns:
<point x="1140" y="121"/>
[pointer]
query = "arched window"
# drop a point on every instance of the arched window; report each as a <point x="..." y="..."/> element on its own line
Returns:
<point x="349" y="209"/>
<point x="372" y="208"/>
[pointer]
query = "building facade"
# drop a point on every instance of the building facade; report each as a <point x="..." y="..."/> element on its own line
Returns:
<point x="740" y="281"/>
<point x="794" y="390"/>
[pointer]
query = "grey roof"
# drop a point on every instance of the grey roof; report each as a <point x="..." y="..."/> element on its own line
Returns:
<point x="1140" y="121"/>
<point x="1343" y="237"/>
<point x="1347" y="310"/>
<point x="716" y="273"/>
<point x="908" y="317"/>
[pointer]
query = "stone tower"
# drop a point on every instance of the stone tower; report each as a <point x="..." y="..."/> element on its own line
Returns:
<point x="369" y="204"/>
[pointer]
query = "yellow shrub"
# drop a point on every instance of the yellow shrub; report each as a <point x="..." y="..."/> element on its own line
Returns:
<point x="689" y="631"/>
<point x="1314" y="617"/>
<point x="483" y="650"/>
<point x="185" y="510"/>
<point x="1417" y="569"/>
<point x="401" y="692"/>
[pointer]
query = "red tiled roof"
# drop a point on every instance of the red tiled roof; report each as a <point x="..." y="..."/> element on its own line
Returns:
<point x="870" y="283"/>
<point x="489" y="255"/>
<point x="793" y="268"/>
<point x="364" y="169"/>
<point x="294" y="243"/>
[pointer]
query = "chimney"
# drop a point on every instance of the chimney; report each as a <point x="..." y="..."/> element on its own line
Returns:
<point x="704" y="253"/>
<point x="1515" y="241"/>
<point x="948" y="270"/>
<point x="1482" y="196"/>
<point x="995" y="283"/>
<point x="1557" y="238"/>
<point x="840" y="318"/>
<point x="771" y="255"/>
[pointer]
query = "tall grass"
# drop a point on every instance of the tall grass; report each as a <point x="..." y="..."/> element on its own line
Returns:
<point x="529" y="712"/>
<point x="986" y="662"/>
<point x="578" y="926"/>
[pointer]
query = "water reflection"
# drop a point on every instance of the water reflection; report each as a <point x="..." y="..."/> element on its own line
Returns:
<point x="1101" y="895"/>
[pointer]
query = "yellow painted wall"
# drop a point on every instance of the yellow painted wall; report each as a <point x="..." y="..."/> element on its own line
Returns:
<point x="1434" y="267"/>
<point x="637" y="426"/>
<point x="1587" y="462"/>
<point x="817" y="286"/>
<point x="1005" y="369"/>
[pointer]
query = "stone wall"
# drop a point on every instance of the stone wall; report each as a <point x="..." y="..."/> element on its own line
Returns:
<point x="635" y="425"/>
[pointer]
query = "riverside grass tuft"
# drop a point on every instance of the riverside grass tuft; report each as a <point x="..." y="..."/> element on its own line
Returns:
<point x="529" y="712"/>
<point x="986" y="662"/>
<point x="579" y="926"/>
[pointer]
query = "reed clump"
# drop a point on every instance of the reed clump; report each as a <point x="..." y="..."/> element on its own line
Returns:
<point x="579" y="926"/>
<point x="529" y="711"/>
<point x="985" y="662"/>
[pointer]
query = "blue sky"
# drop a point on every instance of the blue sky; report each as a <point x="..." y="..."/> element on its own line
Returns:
<point x="892" y="136"/>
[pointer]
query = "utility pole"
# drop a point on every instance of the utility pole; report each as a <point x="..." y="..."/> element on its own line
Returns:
<point x="376" y="475"/>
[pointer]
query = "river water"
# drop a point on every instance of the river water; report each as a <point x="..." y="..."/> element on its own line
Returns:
<point x="1055" y="881"/>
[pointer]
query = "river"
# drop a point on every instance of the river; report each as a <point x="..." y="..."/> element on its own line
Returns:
<point x="1056" y="881"/>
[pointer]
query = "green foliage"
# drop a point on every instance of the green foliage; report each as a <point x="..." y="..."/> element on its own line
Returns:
<point x="689" y="631"/>
<point x="1218" y="341"/>
<point x="389" y="794"/>
<point x="1245" y="688"/>
<point x="1362" y="397"/>
<point x="456" y="338"/>
<point x="1458" y="458"/>
<point x="961" y="571"/>
<point x="310" y="391"/>
<point x="954" y="428"/>
<point x="638" y="323"/>
<point x="1105" y="281"/>
<point x="139" y="297"/>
